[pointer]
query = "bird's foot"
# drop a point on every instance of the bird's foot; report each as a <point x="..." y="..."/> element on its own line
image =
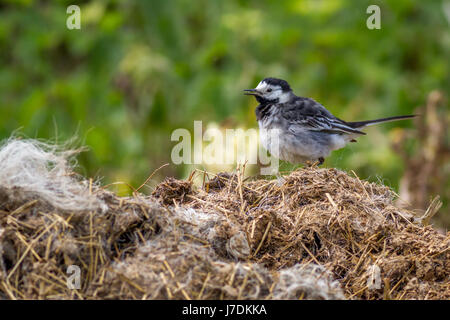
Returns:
<point x="312" y="164"/>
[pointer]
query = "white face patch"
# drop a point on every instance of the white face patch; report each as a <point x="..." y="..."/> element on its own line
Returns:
<point x="262" y="86"/>
<point x="271" y="92"/>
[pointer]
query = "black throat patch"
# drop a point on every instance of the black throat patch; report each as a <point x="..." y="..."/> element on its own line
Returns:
<point x="265" y="101"/>
<point x="263" y="110"/>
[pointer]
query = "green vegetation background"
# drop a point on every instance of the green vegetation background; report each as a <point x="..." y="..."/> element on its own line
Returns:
<point x="137" y="70"/>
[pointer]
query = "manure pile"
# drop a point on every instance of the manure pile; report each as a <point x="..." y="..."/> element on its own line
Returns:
<point x="318" y="234"/>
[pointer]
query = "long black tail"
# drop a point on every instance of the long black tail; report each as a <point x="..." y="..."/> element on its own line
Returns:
<point x="361" y="124"/>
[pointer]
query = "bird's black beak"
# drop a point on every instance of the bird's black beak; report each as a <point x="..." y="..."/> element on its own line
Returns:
<point x="252" y="92"/>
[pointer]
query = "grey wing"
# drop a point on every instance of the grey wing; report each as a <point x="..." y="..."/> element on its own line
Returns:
<point x="307" y="114"/>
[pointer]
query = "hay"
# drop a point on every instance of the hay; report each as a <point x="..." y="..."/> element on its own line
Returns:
<point x="321" y="234"/>
<point x="309" y="281"/>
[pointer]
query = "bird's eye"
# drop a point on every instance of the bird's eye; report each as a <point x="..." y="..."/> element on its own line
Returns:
<point x="269" y="90"/>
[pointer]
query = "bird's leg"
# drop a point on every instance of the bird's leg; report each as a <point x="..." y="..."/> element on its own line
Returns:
<point x="280" y="179"/>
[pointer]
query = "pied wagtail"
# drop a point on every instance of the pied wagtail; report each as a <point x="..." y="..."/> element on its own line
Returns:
<point x="305" y="130"/>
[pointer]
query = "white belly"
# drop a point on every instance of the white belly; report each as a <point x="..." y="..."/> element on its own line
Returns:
<point x="301" y="146"/>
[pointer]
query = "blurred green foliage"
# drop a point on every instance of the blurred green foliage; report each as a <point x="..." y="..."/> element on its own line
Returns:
<point x="137" y="70"/>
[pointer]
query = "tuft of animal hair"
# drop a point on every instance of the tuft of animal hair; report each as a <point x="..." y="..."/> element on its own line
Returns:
<point x="39" y="170"/>
<point x="311" y="281"/>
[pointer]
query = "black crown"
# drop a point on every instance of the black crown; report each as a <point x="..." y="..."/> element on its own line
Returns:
<point x="278" y="82"/>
